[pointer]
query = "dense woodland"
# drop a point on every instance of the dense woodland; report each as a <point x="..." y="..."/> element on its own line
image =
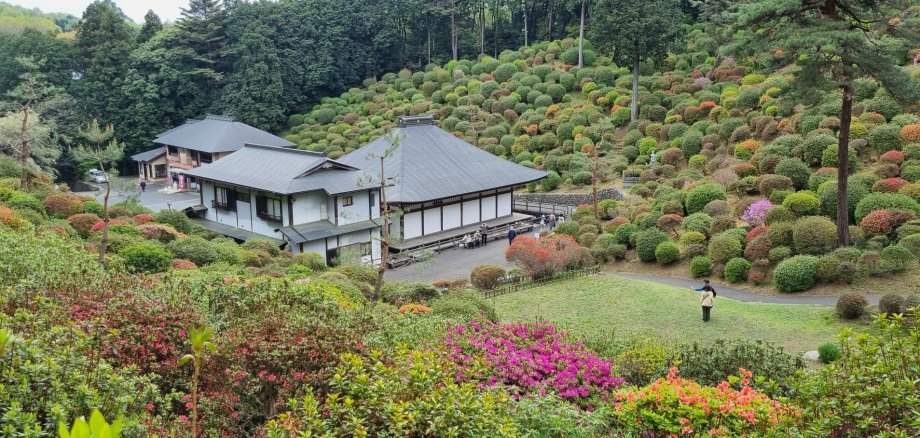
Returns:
<point x="771" y="143"/>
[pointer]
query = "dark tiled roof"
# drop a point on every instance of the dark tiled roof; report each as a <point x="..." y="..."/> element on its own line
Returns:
<point x="281" y="170"/>
<point x="322" y="229"/>
<point x="218" y="134"/>
<point x="150" y="155"/>
<point x="430" y="163"/>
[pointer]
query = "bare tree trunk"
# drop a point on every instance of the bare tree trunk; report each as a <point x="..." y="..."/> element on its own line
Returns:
<point x="634" y="103"/>
<point x="384" y="233"/>
<point x="453" y="33"/>
<point x="715" y="65"/>
<point x="24" y="152"/>
<point x="104" y="243"/>
<point x="524" y="8"/>
<point x="482" y="31"/>
<point x="843" y="149"/>
<point x="495" y="26"/>
<point x="429" y="45"/>
<point x="474" y="112"/>
<point x="581" y="37"/>
<point x="549" y="20"/>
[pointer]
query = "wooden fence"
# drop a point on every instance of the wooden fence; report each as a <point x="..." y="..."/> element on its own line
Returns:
<point x="521" y="283"/>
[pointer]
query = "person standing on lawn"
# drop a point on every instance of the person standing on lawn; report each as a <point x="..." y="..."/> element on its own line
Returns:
<point x="707" y="298"/>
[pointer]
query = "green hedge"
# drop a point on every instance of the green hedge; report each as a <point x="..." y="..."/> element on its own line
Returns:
<point x="795" y="274"/>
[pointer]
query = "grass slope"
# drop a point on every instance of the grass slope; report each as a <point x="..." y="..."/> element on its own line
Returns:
<point x="601" y="304"/>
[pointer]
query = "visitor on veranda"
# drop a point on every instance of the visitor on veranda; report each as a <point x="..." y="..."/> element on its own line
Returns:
<point x="484" y="233"/>
<point x="477" y="239"/>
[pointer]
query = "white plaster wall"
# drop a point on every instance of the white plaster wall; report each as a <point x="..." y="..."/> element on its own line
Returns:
<point x="432" y="220"/>
<point x="307" y="206"/>
<point x="452" y="217"/>
<point x="356" y="212"/>
<point x="471" y="212"/>
<point x="412" y="224"/>
<point x="243" y="218"/>
<point x="488" y="208"/>
<point x="267" y="228"/>
<point x="317" y="246"/>
<point x="207" y="195"/>
<point x="504" y="204"/>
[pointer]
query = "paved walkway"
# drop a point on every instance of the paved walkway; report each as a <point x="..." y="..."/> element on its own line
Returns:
<point x="741" y="294"/>
<point x="453" y="264"/>
<point x="151" y="198"/>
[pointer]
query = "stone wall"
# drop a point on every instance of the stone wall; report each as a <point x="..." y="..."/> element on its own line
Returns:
<point x="570" y="199"/>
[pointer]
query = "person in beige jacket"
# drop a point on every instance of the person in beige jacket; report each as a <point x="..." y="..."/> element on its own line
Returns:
<point x="706" y="300"/>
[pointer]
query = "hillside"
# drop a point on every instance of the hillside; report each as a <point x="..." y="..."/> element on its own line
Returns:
<point x="15" y="19"/>
<point x="729" y="148"/>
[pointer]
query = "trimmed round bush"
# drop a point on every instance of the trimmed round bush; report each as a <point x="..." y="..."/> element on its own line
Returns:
<point x="779" y="214"/>
<point x="779" y="254"/>
<point x="699" y="222"/>
<point x="892" y="304"/>
<point x="146" y="258"/>
<point x="647" y="243"/>
<point x="723" y="248"/>
<point x="624" y="233"/>
<point x="667" y="253"/>
<point x="796" y="170"/>
<point x="736" y="270"/>
<point x="700" y="266"/>
<point x="569" y="228"/>
<point x="795" y="274"/>
<point x="828" y="269"/>
<point x="895" y="257"/>
<point x="912" y="243"/>
<point x="885" y="201"/>
<point x="814" y="235"/>
<point x="194" y="249"/>
<point x="486" y="277"/>
<point x="767" y="184"/>
<point x="63" y="205"/>
<point x="803" y="203"/>
<point x="851" y="306"/>
<point x="699" y="196"/>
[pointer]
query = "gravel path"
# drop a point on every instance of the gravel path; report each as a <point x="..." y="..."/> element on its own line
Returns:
<point x="741" y="294"/>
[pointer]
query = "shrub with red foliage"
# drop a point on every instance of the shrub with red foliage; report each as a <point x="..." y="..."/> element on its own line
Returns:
<point x="143" y="218"/>
<point x="263" y="361"/>
<point x="10" y="218"/>
<point x="899" y="217"/>
<point x="136" y="328"/>
<point x="63" y="205"/>
<point x="98" y="226"/>
<point x="910" y="133"/>
<point x="183" y="264"/>
<point x="669" y="222"/>
<point x="161" y="232"/>
<point x="745" y="169"/>
<point x="83" y="222"/>
<point x="672" y="156"/>
<point x="877" y="222"/>
<point x="545" y="257"/>
<point x="892" y="157"/>
<point x="758" y="248"/>
<point x="889" y="185"/>
<point x="756" y="231"/>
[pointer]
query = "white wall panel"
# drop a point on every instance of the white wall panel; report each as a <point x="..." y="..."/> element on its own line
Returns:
<point x="452" y="217"/>
<point x="504" y="204"/>
<point x="432" y="220"/>
<point x="471" y="212"/>
<point x="412" y="224"/>
<point x="488" y="208"/>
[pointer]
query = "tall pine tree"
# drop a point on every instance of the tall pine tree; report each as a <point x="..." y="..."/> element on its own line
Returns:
<point x="830" y="44"/>
<point x="152" y="25"/>
<point x="104" y="42"/>
<point x="203" y="35"/>
<point x="636" y="30"/>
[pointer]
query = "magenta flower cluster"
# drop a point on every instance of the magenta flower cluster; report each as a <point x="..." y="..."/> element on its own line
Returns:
<point x="756" y="213"/>
<point x="529" y="359"/>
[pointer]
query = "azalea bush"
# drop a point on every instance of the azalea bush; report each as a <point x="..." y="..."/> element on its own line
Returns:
<point x="547" y="256"/>
<point x="756" y="213"/>
<point x="529" y="359"/>
<point x="675" y="406"/>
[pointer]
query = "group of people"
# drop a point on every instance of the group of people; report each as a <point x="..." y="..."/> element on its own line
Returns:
<point x="481" y="237"/>
<point x="551" y="220"/>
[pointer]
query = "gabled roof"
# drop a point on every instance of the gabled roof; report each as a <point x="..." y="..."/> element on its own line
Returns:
<point x="150" y="155"/>
<point x="281" y="170"/>
<point x="217" y="134"/>
<point x="323" y="228"/>
<point x="430" y="163"/>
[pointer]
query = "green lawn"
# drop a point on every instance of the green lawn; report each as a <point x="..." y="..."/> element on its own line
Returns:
<point x="605" y="303"/>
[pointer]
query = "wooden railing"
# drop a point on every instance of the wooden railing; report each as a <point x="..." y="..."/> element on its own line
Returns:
<point x="515" y="284"/>
<point x="542" y="207"/>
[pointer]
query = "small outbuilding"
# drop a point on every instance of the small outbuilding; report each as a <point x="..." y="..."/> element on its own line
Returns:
<point x="151" y="165"/>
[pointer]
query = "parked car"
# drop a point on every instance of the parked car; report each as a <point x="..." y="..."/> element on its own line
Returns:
<point x="96" y="176"/>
